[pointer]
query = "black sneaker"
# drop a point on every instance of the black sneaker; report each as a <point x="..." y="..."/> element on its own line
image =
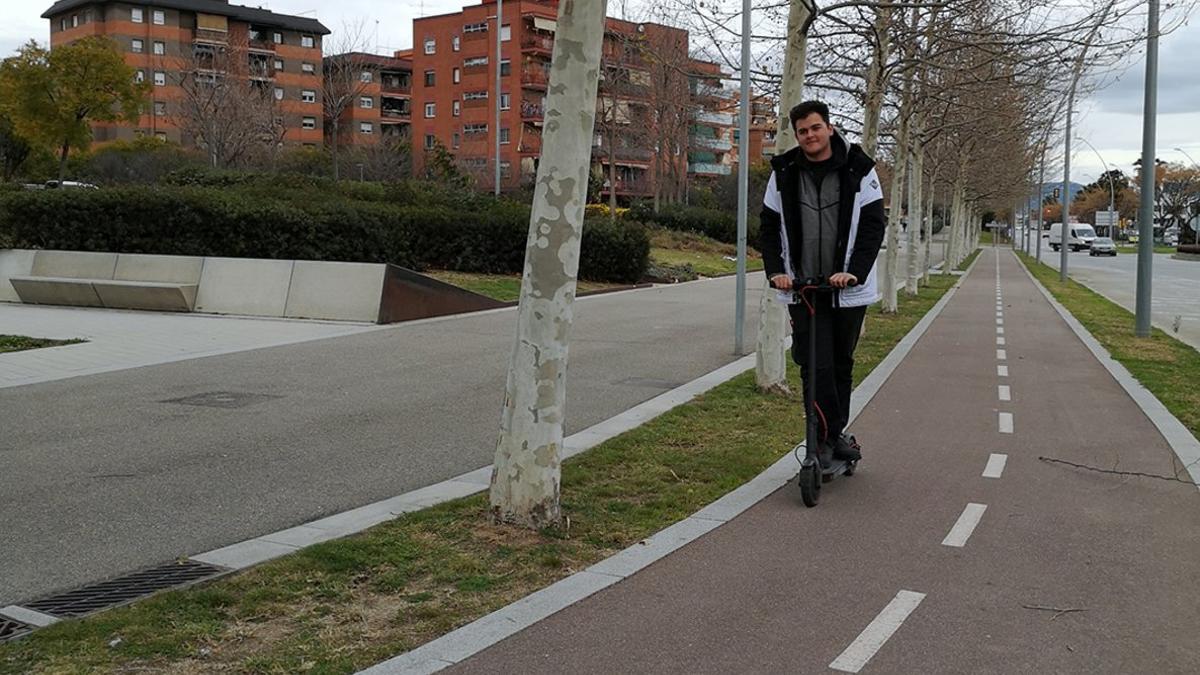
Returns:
<point x="824" y="456"/>
<point x="846" y="448"/>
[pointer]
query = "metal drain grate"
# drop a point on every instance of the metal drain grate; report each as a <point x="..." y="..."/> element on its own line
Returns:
<point x="11" y="629"/>
<point x="123" y="589"/>
<point x="229" y="400"/>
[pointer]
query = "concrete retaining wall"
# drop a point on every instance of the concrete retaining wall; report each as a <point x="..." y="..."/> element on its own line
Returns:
<point x="299" y="289"/>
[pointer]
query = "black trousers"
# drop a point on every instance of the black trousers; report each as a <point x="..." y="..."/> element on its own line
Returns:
<point x="837" y="338"/>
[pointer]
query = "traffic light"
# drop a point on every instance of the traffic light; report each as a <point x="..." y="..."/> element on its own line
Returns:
<point x="1057" y="193"/>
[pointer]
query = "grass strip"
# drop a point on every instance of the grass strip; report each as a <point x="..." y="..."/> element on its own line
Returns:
<point x="966" y="263"/>
<point x="20" y="343"/>
<point x="1132" y="250"/>
<point x="343" y="605"/>
<point x="1167" y="367"/>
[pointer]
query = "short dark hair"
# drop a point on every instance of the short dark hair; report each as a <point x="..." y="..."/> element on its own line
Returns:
<point x="802" y="110"/>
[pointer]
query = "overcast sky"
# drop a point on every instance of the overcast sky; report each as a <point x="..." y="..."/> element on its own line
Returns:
<point x="1110" y="120"/>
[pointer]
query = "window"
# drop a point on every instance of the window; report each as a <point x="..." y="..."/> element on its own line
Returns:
<point x="308" y="41"/>
<point x="504" y="136"/>
<point x="456" y="75"/>
<point x="474" y="95"/>
<point x="74" y="21"/>
<point x="160" y="79"/>
<point x="308" y="123"/>
<point x="279" y="94"/>
<point x="279" y="64"/>
<point x="505" y="33"/>
<point x="136" y="16"/>
<point x="430" y="46"/>
<point x="430" y="78"/>
<point x="160" y="17"/>
<point x="308" y="68"/>
<point x="430" y="110"/>
<point x="430" y="141"/>
<point x="366" y="77"/>
<point x="161" y="135"/>
<point x="455" y="141"/>
<point x="455" y="108"/>
<point x="456" y="43"/>
<point x="472" y="129"/>
<point x="475" y="62"/>
<point x="139" y="76"/>
<point x="62" y="23"/>
<point x="137" y="46"/>
<point x="480" y="27"/>
<point x="505" y="169"/>
<point x="366" y="128"/>
<point x="505" y="101"/>
<point x="160" y="108"/>
<point x="160" y="48"/>
<point x="505" y="68"/>
<point x="277" y="38"/>
<point x="308" y="96"/>
<point x="366" y="102"/>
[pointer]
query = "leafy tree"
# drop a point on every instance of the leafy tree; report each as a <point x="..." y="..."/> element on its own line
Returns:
<point x="14" y="150"/>
<point x="54" y="96"/>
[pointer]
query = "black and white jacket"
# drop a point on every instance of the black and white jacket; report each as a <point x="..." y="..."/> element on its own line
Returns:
<point x="861" y="220"/>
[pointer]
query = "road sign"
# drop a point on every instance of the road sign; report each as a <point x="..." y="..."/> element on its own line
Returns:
<point x="1107" y="218"/>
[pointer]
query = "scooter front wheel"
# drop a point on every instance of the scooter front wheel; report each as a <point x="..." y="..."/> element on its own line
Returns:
<point x="810" y="485"/>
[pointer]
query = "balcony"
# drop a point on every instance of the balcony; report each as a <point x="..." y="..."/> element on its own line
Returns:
<point x="396" y="115"/>
<point x="537" y="44"/>
<point x="719" y="119"/>
<point x="535" y="79"/>
<point x="710" y="91"/>
<point x="629" y="186"/>
<point x="717" y="144"/>
<point x="204" y="35"/>
<point x="475" y="103"/>
<point x="710" y="169"/>
<point x="532" y="112"/>
<point x="639" y="155"/>
<point x="260" y="45"/>
<point x="395" y="89"/>
<point x="530" y="145"/>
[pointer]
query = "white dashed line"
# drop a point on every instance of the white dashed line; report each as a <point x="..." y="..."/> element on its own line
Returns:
<point x="1002" y="371"/>
<point x="877" y="632"/>
<point x="999" y="322"/>
<point x="1001" y="355"/>
<point x="1006" y="423"/>
<point x="1000" y="341"/>
<point x="1004" y="392"/>
<point x="999" y="331"/>
<point x="995" y="466"/>
<point x="961" y="532"/>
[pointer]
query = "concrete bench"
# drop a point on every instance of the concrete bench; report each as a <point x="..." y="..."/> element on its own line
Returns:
<point x="114" y="294"/>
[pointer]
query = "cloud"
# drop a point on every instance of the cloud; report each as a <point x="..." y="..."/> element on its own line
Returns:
<point x="1178" y="85"/>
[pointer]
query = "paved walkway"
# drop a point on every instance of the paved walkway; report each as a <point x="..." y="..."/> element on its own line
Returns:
<point x="118" y="340"/>
<point x="953" y="550"/>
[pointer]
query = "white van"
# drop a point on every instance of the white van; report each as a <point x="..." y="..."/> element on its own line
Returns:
<point x="1081" y="236"/>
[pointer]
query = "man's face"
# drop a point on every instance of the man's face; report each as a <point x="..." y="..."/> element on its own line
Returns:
<point x="813" y="134"/>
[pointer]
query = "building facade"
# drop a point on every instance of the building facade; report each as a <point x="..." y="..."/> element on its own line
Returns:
<point x="380" y="89"/>
<point x="174" y="43"/>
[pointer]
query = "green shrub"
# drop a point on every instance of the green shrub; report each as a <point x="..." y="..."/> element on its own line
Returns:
<point x="720" y="225"/>
<point x="235" y="215"/>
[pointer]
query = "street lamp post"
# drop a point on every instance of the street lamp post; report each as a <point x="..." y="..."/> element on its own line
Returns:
<point x="1145" y="273"/>
<point x="1112" y="191"/>
<point x="743" y="184"/>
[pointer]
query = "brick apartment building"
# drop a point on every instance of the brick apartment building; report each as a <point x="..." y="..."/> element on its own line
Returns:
<point x="164" y="40"/>
<point x="382" y="91"/>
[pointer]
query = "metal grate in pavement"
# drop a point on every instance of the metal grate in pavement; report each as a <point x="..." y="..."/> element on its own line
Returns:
<point x="229" y="400"/>
<point x="11" y="629"/>
<point x="95" y="597"/>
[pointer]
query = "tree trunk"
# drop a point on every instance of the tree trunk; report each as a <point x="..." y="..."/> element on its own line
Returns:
<point x="337" y="137"/>
<point x="876" y="78"/>
<point x="771" y="359"/>
<point x="899" y="174"/>
<point x="928" y="229"/>
<point x="916" y="215"/>
<point x="62" y="161"/>
<point x="527" y="472"/>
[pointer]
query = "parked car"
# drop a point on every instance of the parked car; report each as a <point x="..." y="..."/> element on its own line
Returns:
<point x="1080" y="236"/>
<point x="1103" y="246"/>
<point x="55" y="185"/>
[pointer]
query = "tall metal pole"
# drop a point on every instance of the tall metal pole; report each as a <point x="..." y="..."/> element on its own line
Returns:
<point x="1112" y="190"/>
<point x="1146" y="216"/>
<point x="743" y="182"/>
<point x="1065" y="237"/>
<point x="1041" y="198"/>
<point x="499" y="30"/>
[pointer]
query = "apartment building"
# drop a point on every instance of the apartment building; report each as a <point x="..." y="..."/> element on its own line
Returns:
<point x="381" y="89"/>
<point x="454" y="95"/>
<point x="168" y="40"/>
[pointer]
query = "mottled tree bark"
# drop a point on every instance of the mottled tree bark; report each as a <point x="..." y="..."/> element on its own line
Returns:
<point x="527" y="472"/>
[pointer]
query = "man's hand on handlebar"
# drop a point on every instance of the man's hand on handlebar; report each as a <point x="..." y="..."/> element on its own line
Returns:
<point x="782" y="281"/>
<point x="842" y="280"/>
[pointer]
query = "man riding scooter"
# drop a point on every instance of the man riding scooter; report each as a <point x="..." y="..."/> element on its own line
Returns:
<point x="823" y="217"/>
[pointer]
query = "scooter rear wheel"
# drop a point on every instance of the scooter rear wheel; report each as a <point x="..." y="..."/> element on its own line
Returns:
<point x="810" y="485"/>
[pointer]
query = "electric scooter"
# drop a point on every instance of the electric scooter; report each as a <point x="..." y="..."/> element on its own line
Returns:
<point x="812" y="475"/>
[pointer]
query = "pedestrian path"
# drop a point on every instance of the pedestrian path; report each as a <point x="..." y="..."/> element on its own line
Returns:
<point x="117" y="340"/>
<point x="965" y="542"/>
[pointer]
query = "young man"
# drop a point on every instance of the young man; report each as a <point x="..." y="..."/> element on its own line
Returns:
<point x="823" y="217"/>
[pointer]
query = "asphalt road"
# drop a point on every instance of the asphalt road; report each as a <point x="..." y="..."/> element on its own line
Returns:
<point x="1175" y="290"/>
<point x="105" y="474"/>
<point x="1024" y="567"/>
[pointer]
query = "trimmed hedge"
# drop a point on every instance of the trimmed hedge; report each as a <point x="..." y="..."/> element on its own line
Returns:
<point x="718" y="224"/>
<point x="481" y="235"/>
